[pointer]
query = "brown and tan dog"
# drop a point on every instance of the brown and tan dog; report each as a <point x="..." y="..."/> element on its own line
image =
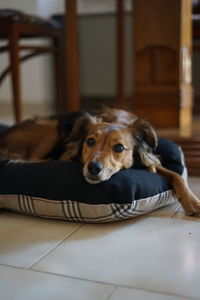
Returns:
<point x="105" y="143"/>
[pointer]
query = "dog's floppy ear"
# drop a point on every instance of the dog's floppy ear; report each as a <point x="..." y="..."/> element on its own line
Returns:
<point x="74" y="142"/>
<point x="145" y="142"/>
<point x="145" y="132"/>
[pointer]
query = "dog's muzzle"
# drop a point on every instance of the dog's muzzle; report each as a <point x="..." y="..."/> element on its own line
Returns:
<point x="94" y="168"/>
<point x="92" y="174"/>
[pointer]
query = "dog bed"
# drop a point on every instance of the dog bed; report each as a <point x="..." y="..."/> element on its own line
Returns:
<point x="58" y="190"/>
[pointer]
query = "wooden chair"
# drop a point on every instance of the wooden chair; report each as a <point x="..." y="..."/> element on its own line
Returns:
<point x="15" y="25"/>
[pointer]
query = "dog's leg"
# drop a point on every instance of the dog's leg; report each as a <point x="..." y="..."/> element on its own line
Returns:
<point x="152" y="168"/>
<point x="188" y="200"/>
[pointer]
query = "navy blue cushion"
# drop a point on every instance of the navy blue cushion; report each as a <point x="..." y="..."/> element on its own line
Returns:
<point x="63" y="182"/>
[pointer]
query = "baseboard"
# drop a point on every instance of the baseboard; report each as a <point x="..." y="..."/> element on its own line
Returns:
<point x="30" y="109"/>
<point x="45" y="108"/>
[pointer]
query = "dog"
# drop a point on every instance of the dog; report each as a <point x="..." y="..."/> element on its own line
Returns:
<point x="104" y="142"/>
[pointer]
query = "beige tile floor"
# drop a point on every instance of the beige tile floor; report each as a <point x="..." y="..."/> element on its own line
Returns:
<point x="156" y="256"/>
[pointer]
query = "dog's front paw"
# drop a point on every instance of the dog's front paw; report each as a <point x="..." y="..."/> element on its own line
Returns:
<point x="194" y="210"/>
<point x="192" y="207"/>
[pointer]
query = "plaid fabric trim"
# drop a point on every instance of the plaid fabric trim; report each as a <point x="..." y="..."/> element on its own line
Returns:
<point x="82" y="212"/>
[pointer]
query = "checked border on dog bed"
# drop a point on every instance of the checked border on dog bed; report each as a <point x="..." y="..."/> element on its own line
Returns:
<point x="57" y="189"/>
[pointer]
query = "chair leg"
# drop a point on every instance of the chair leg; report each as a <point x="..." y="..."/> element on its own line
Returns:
<point x="15" y="74"/>
<point x="121" y="101"/>
<point x="72" y="56"/>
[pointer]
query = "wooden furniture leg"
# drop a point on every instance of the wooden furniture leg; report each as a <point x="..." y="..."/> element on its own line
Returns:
<point x="72" y="56"/>
<point x="121" y="101"/>
<point x="15" y="72"/>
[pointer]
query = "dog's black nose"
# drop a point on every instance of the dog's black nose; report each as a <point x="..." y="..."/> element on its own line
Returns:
<point x="94" y="167"/>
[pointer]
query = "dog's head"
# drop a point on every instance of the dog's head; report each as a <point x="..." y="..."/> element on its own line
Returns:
<point x="105" y="148"/>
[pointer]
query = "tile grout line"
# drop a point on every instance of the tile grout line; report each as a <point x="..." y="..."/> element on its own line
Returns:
<point x="53" y="248"/>
<point x="111" y="292"/>
<point x="56" y="274"/>
<point x="115" y="286"/>
<point x="153" y="292"/>
<point x="176" y="211"/>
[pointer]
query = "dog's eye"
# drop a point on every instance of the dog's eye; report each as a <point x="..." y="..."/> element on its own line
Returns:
<point x="90" y="142"/>
<point x="118" y="148"/>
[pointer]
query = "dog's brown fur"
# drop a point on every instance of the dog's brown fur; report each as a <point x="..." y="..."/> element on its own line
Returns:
<point x="105" y="143"/>
<point x="30" y="140"/>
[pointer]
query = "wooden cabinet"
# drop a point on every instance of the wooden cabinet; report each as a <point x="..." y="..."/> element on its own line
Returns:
<point x="162" y="62"/>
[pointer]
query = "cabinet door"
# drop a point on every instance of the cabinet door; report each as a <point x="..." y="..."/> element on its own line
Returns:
<point x="162" y="56"/>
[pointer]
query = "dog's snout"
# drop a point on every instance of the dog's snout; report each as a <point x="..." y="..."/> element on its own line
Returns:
<point x="94" y="167"/>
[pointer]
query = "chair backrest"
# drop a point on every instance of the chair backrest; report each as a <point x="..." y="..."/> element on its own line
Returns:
<point x="27" y="25"/>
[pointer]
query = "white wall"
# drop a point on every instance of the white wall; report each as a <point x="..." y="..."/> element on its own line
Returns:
<point x="98" y="55"/>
